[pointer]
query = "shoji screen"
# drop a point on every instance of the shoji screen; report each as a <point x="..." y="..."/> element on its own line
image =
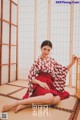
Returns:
<point x="8" y="41"/>
<point x="42" y="16"/>
<point x="26" y="36"/>
<point x="76" y="38"/>
<point x="14" y="41"/>
<point x="78" y="78"/>
<point x="60" y="32"/>
<point x="5" y="5"/>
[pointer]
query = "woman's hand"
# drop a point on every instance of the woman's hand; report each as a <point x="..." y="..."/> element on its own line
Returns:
<point x="74" y="58"/>
<point x="44" y="85"/>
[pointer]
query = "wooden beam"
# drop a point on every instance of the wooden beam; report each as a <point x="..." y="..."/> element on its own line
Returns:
<point x="7" y="64"/>
<point x="1" y="42"/>
<point x="49" y="21"/>
<point x="76" y="73"/>
<point x="71" y="39"/>
<point x="9" y="41"/>
<point x="17" y="47"/>
<point x="7" y="44"/>
<point x="78" y="78"/>
<point x="8" y="22"/>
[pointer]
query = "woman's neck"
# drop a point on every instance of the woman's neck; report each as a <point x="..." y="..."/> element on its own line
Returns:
<point x="43" y="57"/>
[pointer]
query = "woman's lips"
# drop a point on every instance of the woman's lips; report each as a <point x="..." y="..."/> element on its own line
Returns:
<point x="45" y="54"/>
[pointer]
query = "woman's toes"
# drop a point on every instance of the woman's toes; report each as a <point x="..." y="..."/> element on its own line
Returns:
<point x="5" y="108"/>
<point x="14" y="108"/>
<point x="19" y="107"/>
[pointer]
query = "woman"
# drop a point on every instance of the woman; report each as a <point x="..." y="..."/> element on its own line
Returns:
<point x="46" y="81"/>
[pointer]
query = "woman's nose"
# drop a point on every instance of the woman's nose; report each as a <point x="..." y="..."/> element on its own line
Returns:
<point x="46" y="52"/>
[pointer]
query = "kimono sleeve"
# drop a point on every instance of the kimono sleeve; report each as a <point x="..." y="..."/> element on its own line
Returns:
<point x="60" y="73"/>
<point x="32" y="74"/>
<point x="33" y="71"/>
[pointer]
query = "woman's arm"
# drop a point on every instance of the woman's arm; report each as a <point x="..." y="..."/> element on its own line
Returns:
<point x="35" y="81"/>
<point x="42" y="84"/>
<point x="72" y="63"/>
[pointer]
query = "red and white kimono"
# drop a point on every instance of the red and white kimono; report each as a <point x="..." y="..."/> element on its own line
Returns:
<point x="50" y="72"/>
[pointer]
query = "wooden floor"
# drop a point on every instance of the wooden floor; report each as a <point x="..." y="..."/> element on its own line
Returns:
<point x="68" y="109"/>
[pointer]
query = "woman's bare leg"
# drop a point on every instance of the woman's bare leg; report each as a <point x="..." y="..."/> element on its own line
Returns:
<point x="9" y="106"/>
<point x="21" y="107"/>
<point x="56" y="100"/>
<point x="43" y="99"/>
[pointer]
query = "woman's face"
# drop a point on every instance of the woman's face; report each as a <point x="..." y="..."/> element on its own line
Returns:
<point x="45" y="51"/>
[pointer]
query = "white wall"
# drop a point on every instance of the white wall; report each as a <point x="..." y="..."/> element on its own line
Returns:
<point x="76" y="38"/>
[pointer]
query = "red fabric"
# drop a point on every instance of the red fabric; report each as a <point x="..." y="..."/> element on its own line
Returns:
<point x="50" y="66"/>
<point x="37" y="90"/>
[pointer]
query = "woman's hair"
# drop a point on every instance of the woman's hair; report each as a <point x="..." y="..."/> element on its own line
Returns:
<point x="46" y="43"/>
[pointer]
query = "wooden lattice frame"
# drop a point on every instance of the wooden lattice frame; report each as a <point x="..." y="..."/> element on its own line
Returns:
<point x="78" y="78"/>
<point x="9" y="45"/>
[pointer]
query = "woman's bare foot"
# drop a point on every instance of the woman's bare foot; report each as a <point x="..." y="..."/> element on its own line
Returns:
<point x="21" y="107"/>
<point x="7" y="107"/>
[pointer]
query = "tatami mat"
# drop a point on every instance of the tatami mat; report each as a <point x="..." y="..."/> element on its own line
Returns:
<point x="28" y="113"/>
<point x="70" y="90"/>
<point x="78" y="117"/>
<point x="16" y="89"/>
<point x="19" y="94"/>
<point x="67" y="103"/>
<point x="6" y="89"/>
<point x="4" y="100"/>
<point x="58" y="115"/>
<point x="23" y="83"/>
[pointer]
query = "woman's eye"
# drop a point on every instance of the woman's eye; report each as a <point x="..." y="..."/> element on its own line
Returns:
<point x="48" y="50"/>
<point x="44" y="48"/>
